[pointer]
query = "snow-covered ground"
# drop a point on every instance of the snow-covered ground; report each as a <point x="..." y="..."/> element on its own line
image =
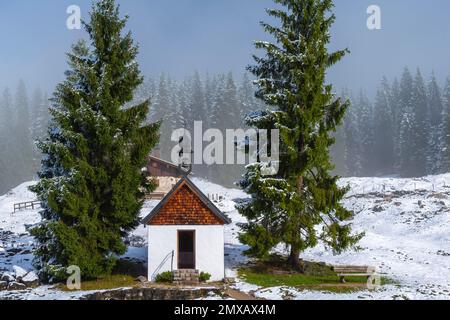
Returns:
<point x="407" y="237"/>
<point x="406" y="222"/>
<point x="16" y="245"/>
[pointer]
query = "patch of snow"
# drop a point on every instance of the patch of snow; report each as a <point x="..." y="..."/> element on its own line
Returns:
<point x="19" y="272"/>
<point x="387" y="292"/>
<point x="30" y="277"/>
<point x="43" y="293"/>
<point x="406" y="223"/>
<point x="8" y="277"/>
<point x="16" y="221"/>
<point x="245" y="287"/>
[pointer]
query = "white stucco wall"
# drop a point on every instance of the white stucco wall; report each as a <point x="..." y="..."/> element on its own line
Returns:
<point x="209" y="249"/>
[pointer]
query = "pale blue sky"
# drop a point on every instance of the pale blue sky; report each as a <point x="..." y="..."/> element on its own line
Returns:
<point x="180" y="36"/>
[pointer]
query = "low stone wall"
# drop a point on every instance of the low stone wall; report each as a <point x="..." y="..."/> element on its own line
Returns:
<point x="153" y="294"/>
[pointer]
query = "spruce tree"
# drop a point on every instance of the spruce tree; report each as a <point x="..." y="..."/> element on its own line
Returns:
<point x="406" y="116"/>
<point x="174" y="110"/>
<point x="36" y="106"/>
<point x="161" y="106"/>
<point x="246" y="96"/>
<point x="216" y="110"/>
<point x="182" y="101"/>
<point x="420" y="137"/>
<point x="91" y="175"/>
<point x="434" y="126"/>
<point x="40" y="117"/>
<point x="365" y="136"/>
<point x="407" y="144"/>
<point x="384" y="131"/>
<point x="394" y="103"/>
<point x="287" y="208"/>
<point x="210" y="89"/>
<point x="231" y="119"/>
<point x="354" y="155"/>
<point x="445" y="147"/>
<point x="8" y="168"/>
<point x="196" y="102"/>
<point x="231" y="113"/>
<point x="339" y="153"/>
<point x="405" y="98"/>
<point x="23" y="134"/>
<point x="145" y="91"/>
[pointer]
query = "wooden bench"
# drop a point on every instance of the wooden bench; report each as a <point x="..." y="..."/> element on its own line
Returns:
<point x="354" y="271"/>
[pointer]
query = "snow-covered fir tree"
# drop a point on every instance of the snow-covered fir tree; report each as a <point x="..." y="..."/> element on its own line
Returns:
<point x="445" y="147"/>
<point x="196" y="103"/>
<point x="39" y="122"/>
<point x="91" y="177"/>
<point x="365" y="133"/>
<point x="420" y="137"/>
<point x="394" y="103"/>
<point x="435" y="127"/>
<point x="210" y="91"/>
<point x="22" y="132"/>
<point x="166" y="111"/>
<point x="182" y="103"/>
<point x="338" y="152"/>
<point x="407" y="124"/>
<point x="383" y="149"/>
<point x="407" y="144"/>
<point x="287" y="207"/>
<point x="353" y="151"/>
<point x="7" y="144"/>
<point x="246" y="96"/>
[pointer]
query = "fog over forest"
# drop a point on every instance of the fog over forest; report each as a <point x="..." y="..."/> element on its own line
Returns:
<point x="404" y="131"/>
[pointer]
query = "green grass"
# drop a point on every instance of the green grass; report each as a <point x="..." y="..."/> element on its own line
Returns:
<point x="292" y="280"/>
<point x="106" y="283"/>
<point x="124" y="274"/>
<point x="318" y="276"/>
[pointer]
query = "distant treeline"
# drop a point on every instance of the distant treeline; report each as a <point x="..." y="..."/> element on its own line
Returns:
<point x="218" y="100"/>
<point x="23" y="119"/>
<point x="405" y="131"/>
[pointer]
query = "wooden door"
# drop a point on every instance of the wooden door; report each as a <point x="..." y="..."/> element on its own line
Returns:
<point x="186" y="249"/>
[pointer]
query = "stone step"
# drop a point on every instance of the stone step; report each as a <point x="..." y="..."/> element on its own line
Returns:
<point x="186" y="276"/>
<point x="189" y="283"/>
<point x="186" y="271"/>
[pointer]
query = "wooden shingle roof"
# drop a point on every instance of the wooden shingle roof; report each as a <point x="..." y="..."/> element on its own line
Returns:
<point x="186" y="205"/>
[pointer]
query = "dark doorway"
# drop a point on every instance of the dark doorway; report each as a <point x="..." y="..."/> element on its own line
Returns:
<point x="186" y="249"/>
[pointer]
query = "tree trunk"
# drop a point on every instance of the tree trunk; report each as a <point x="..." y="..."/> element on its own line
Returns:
<point x="294" y="260"/>
<point x="294" y="257"/>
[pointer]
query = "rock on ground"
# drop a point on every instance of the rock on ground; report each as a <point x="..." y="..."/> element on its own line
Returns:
<point x="31" y="280"/>
<point x="7" y="277"/>
<point x="19" y="272"/>
<point x="16" y="286"/>
<point x="142" y="279"/>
